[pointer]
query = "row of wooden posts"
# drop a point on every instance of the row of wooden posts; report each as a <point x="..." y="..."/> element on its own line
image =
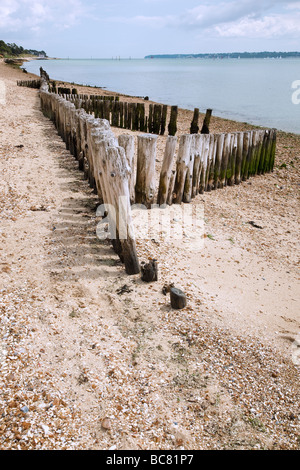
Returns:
<point x="133" y="116"/>
<point x="206" y="162"/>
<point x="125" y="115"/>
<point x="105" y="166"/>
<point x="199" y="163"/>
<point x="29" y="83"/>
<point x="128" y="115"/>
<point x="126" y="168"/>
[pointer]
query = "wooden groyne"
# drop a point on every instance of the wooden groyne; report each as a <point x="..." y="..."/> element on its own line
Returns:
<point x="192" y="164"/>
<point x="105" y="166"/>
<point x="206" y="162"/>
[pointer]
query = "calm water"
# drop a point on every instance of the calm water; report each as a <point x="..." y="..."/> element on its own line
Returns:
<point x="257" y="91"/>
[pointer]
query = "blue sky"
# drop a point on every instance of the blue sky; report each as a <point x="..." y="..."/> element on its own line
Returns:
<point x="135" y="28"/>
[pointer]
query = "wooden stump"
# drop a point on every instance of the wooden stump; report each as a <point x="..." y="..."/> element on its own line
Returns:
<point x="178" y="298"/>
<point x="149" y="271"/>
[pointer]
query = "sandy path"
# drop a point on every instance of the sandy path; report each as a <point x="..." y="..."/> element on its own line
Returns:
<point x="76" y="349"/>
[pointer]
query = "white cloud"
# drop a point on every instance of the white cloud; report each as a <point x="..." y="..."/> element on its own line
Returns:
<point x="33" y="14"/>
<point x="266" y="27"/>
<point x="247" y="18"/>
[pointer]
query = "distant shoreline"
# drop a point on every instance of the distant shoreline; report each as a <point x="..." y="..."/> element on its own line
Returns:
<point x="229" y="55"/>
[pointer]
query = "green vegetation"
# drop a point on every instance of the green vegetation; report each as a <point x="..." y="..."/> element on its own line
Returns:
<point x="12" y="50"/>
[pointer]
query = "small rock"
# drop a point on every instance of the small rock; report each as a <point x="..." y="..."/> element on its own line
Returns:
<point x="106" y="424"/>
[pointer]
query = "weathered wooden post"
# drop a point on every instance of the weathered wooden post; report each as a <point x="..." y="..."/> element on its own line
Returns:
<point x="260" y="137"/>
<point x="112" y="170"/>
<point x="115" y="114"/>
<point x="166" y="170"/>
<point x="157" y="118"/>
<point x="172" y="127"/>
<point x="188" y="185"/>
<point x="150" y="119"/>
<point x="252" y="154"/>
<point x="171" y="193"/>
<point x="121" y="109"/>
<point x="126" y="125"/>
<point x="145" y="174"/>
<point x="204" y="159"/>
<point x="133" y="109"/>
<point x="141" y="117"/>
<point x="182" y="163"/>
<point x="262" y="154"/>
<point x="120" y="200"/>
<point x="225" y="158"/>
<point x="163" y="119"/>
<point x="219" y="152"/>
<point x="246" y="147"/>
<point x="194" y="129"/>
<point x="107" y="110"/>
<point x="232" y="161"/>
<point x="239" y="157"/>
<point x="249" y="156"/>
<point x="211" y="162"/>
<point x="206" y="122"/>
<point x="198" y="143"/>
<point x="127" y="143"/>
<point x="273" y="149"/>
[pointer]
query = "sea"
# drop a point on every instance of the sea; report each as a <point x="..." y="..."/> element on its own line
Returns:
<point x="262" y="92"/>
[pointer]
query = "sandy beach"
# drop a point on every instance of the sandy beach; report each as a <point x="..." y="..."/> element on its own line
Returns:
<point x="92" y="358"/>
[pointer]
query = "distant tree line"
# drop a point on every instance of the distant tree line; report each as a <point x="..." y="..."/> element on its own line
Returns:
<point x="12" y="50"/>
<point x="230" y="55"/>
